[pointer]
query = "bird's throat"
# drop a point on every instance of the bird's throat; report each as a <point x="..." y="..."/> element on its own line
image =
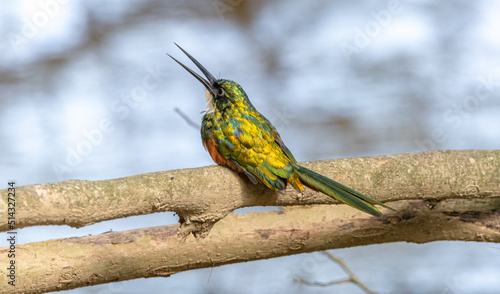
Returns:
<point x="211" y="104"/>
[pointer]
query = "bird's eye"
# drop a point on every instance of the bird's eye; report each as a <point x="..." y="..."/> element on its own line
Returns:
<point x="220" y="92"/>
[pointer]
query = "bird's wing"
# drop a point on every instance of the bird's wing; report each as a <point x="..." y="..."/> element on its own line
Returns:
<point x="277" y="138"/>
<point x="287" y="152"/>
<point x="253" y="145"/>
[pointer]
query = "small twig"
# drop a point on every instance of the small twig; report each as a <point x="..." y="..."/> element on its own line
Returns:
<point x="352" y="277"/>
<point x="485" y="241"/>
<point x="187" y="119"/>
<point x="302" y="281"/>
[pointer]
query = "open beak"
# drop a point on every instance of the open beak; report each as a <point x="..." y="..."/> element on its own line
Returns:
<point x="207" y="83"/>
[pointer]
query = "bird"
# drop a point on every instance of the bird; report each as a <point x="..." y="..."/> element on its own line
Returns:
<point x="240" y="138"/>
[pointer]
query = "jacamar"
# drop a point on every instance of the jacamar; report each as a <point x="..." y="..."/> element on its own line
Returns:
<point x="237" y="136"/>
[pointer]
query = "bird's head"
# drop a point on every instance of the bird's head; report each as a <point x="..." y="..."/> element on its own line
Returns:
<point x="221" y="94"/>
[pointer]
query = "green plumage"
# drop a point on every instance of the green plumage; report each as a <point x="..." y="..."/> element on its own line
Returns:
<point x="237" y="136"/>
<point x="338" y="191"/>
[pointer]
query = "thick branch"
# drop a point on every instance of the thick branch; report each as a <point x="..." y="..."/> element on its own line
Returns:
<point x="202" y="196"/>
<point x="160" y="251"/>
<point x="441" y="195"/>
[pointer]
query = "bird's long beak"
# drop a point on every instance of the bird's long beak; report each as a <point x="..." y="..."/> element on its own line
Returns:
<point x="207" y="83"/>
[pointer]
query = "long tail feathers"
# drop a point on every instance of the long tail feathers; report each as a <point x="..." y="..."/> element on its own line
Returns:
<point x="338" y="191"/>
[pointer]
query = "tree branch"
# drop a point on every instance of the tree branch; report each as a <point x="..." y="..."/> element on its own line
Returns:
<point x="202" y="196"/>
<point x="351" y="279"/>
<point x="440" y="195"/>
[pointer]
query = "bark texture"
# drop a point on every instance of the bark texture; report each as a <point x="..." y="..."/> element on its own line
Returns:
<point x="438" y="195"/>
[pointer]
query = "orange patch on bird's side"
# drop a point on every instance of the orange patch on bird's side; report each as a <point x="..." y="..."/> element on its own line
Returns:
<point x="217" y="156"/>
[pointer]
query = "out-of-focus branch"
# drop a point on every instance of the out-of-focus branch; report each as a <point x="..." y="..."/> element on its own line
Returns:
<point x="351" y="279"/>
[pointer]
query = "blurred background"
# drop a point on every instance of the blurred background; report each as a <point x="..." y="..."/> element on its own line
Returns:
<point x="88" y="92"/>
